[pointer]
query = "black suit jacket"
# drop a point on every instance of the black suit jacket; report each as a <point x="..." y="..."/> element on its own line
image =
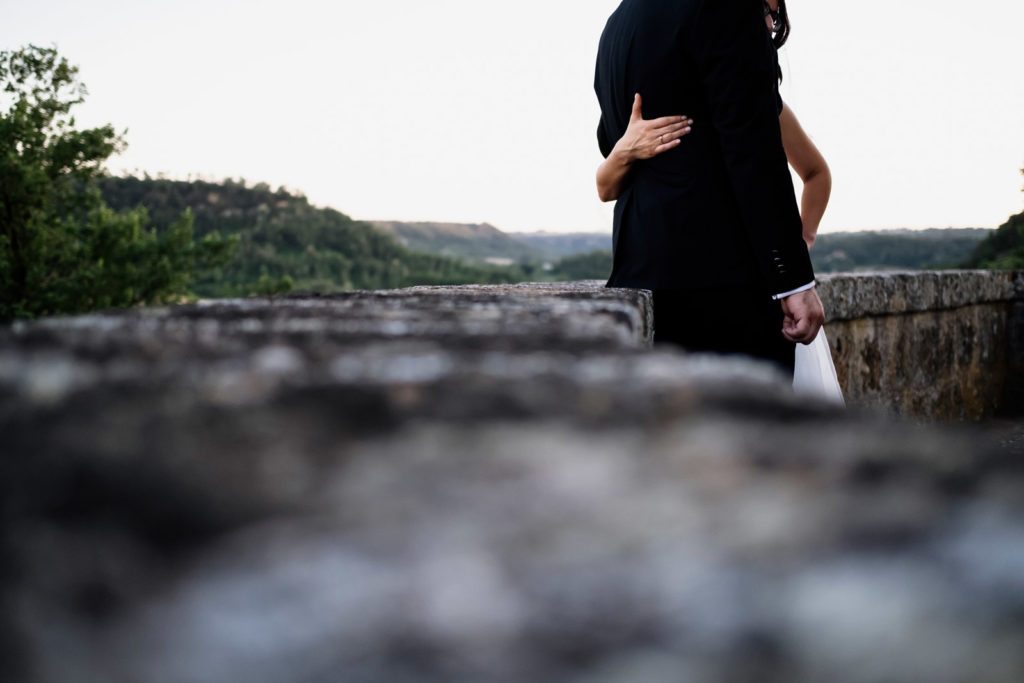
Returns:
<point x="720" y="208"/>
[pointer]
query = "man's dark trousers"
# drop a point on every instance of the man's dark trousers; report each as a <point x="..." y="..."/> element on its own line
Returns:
<point x="725" y="320"/>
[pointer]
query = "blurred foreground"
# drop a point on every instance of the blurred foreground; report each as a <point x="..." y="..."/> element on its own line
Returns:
<point x="478" y="484"/>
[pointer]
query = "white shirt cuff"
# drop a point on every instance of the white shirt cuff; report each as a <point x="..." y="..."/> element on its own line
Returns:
<point x="809" y="285"/>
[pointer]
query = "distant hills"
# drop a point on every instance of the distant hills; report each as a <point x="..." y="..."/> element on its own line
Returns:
<point x="285" y="243"/>
<point x="578" y="253"/>
<point x="895" y="249"/>
<point x="486" y="243"/>
<point x="470" y="241"/>
<point x="561" y="244"/>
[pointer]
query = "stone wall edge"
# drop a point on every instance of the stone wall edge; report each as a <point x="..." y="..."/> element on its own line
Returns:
<point x="849" y="296"/>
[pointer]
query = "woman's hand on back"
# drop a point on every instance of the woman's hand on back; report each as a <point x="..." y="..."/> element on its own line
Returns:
<point x="642" y="140"/>
<point x="647" y="139"/>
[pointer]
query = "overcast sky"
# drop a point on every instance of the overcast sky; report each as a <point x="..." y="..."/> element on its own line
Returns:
<point x="478" y="110"/>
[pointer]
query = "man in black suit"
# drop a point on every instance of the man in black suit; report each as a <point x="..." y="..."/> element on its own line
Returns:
<point x="712" y="225"/>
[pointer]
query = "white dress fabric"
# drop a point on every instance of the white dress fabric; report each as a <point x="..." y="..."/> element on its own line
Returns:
<point x="815" y="373"/>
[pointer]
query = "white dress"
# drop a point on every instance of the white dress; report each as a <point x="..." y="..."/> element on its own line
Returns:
<point x="815" y="373"/>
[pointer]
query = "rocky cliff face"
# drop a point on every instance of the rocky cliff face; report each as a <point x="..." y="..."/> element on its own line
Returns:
<point x="477" y="484"/>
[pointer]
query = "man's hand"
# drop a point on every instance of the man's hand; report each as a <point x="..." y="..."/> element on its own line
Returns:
<point x="804" y="316"/>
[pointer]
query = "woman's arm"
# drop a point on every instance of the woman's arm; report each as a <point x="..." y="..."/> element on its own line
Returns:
<point x="810" y="165"/>
<point x="642" y="140"/>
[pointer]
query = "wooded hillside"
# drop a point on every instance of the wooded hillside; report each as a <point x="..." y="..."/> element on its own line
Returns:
<point x="1003" y="249"/>
<point x="286" y="243"/>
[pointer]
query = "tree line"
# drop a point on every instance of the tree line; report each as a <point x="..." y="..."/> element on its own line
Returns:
<point x="75" y="240"/>
<point x="1003" y="249"/>
<point x="61" y="248"/>
<point x="283" y="243"/>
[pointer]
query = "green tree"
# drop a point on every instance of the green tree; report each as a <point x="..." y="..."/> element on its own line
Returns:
<point x="62" y="250"/>
<point x="1004" y="249"/>
<point x="287" y="244"/>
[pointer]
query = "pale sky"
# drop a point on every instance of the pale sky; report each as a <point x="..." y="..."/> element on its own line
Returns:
<point x="474" y="111"/>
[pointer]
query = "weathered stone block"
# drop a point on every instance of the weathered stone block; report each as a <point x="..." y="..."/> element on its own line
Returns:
<point x="276" y="542"/>
<point x="935" y="345"/>
<point x="574" y="316"/>
<point x="944" y="365"/>
<point x="492" y="484"/>
<point x="849" y="297"/>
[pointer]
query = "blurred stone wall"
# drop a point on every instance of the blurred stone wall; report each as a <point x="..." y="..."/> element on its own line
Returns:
<point x="478" y="484"/>
<point x="937" y="345"/>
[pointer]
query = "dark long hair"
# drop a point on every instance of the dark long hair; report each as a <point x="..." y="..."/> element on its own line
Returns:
<point x="782" y="36"/>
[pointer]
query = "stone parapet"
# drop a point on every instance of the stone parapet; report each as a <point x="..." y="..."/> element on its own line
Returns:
<point x="850" y="297"/>
<point x="940" y="345"/>
<point x="578" y="315"/>
<point x="478" y="484"/>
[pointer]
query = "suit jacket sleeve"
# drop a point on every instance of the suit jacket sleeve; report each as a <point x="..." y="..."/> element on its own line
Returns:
<point x="735" y="58"/>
